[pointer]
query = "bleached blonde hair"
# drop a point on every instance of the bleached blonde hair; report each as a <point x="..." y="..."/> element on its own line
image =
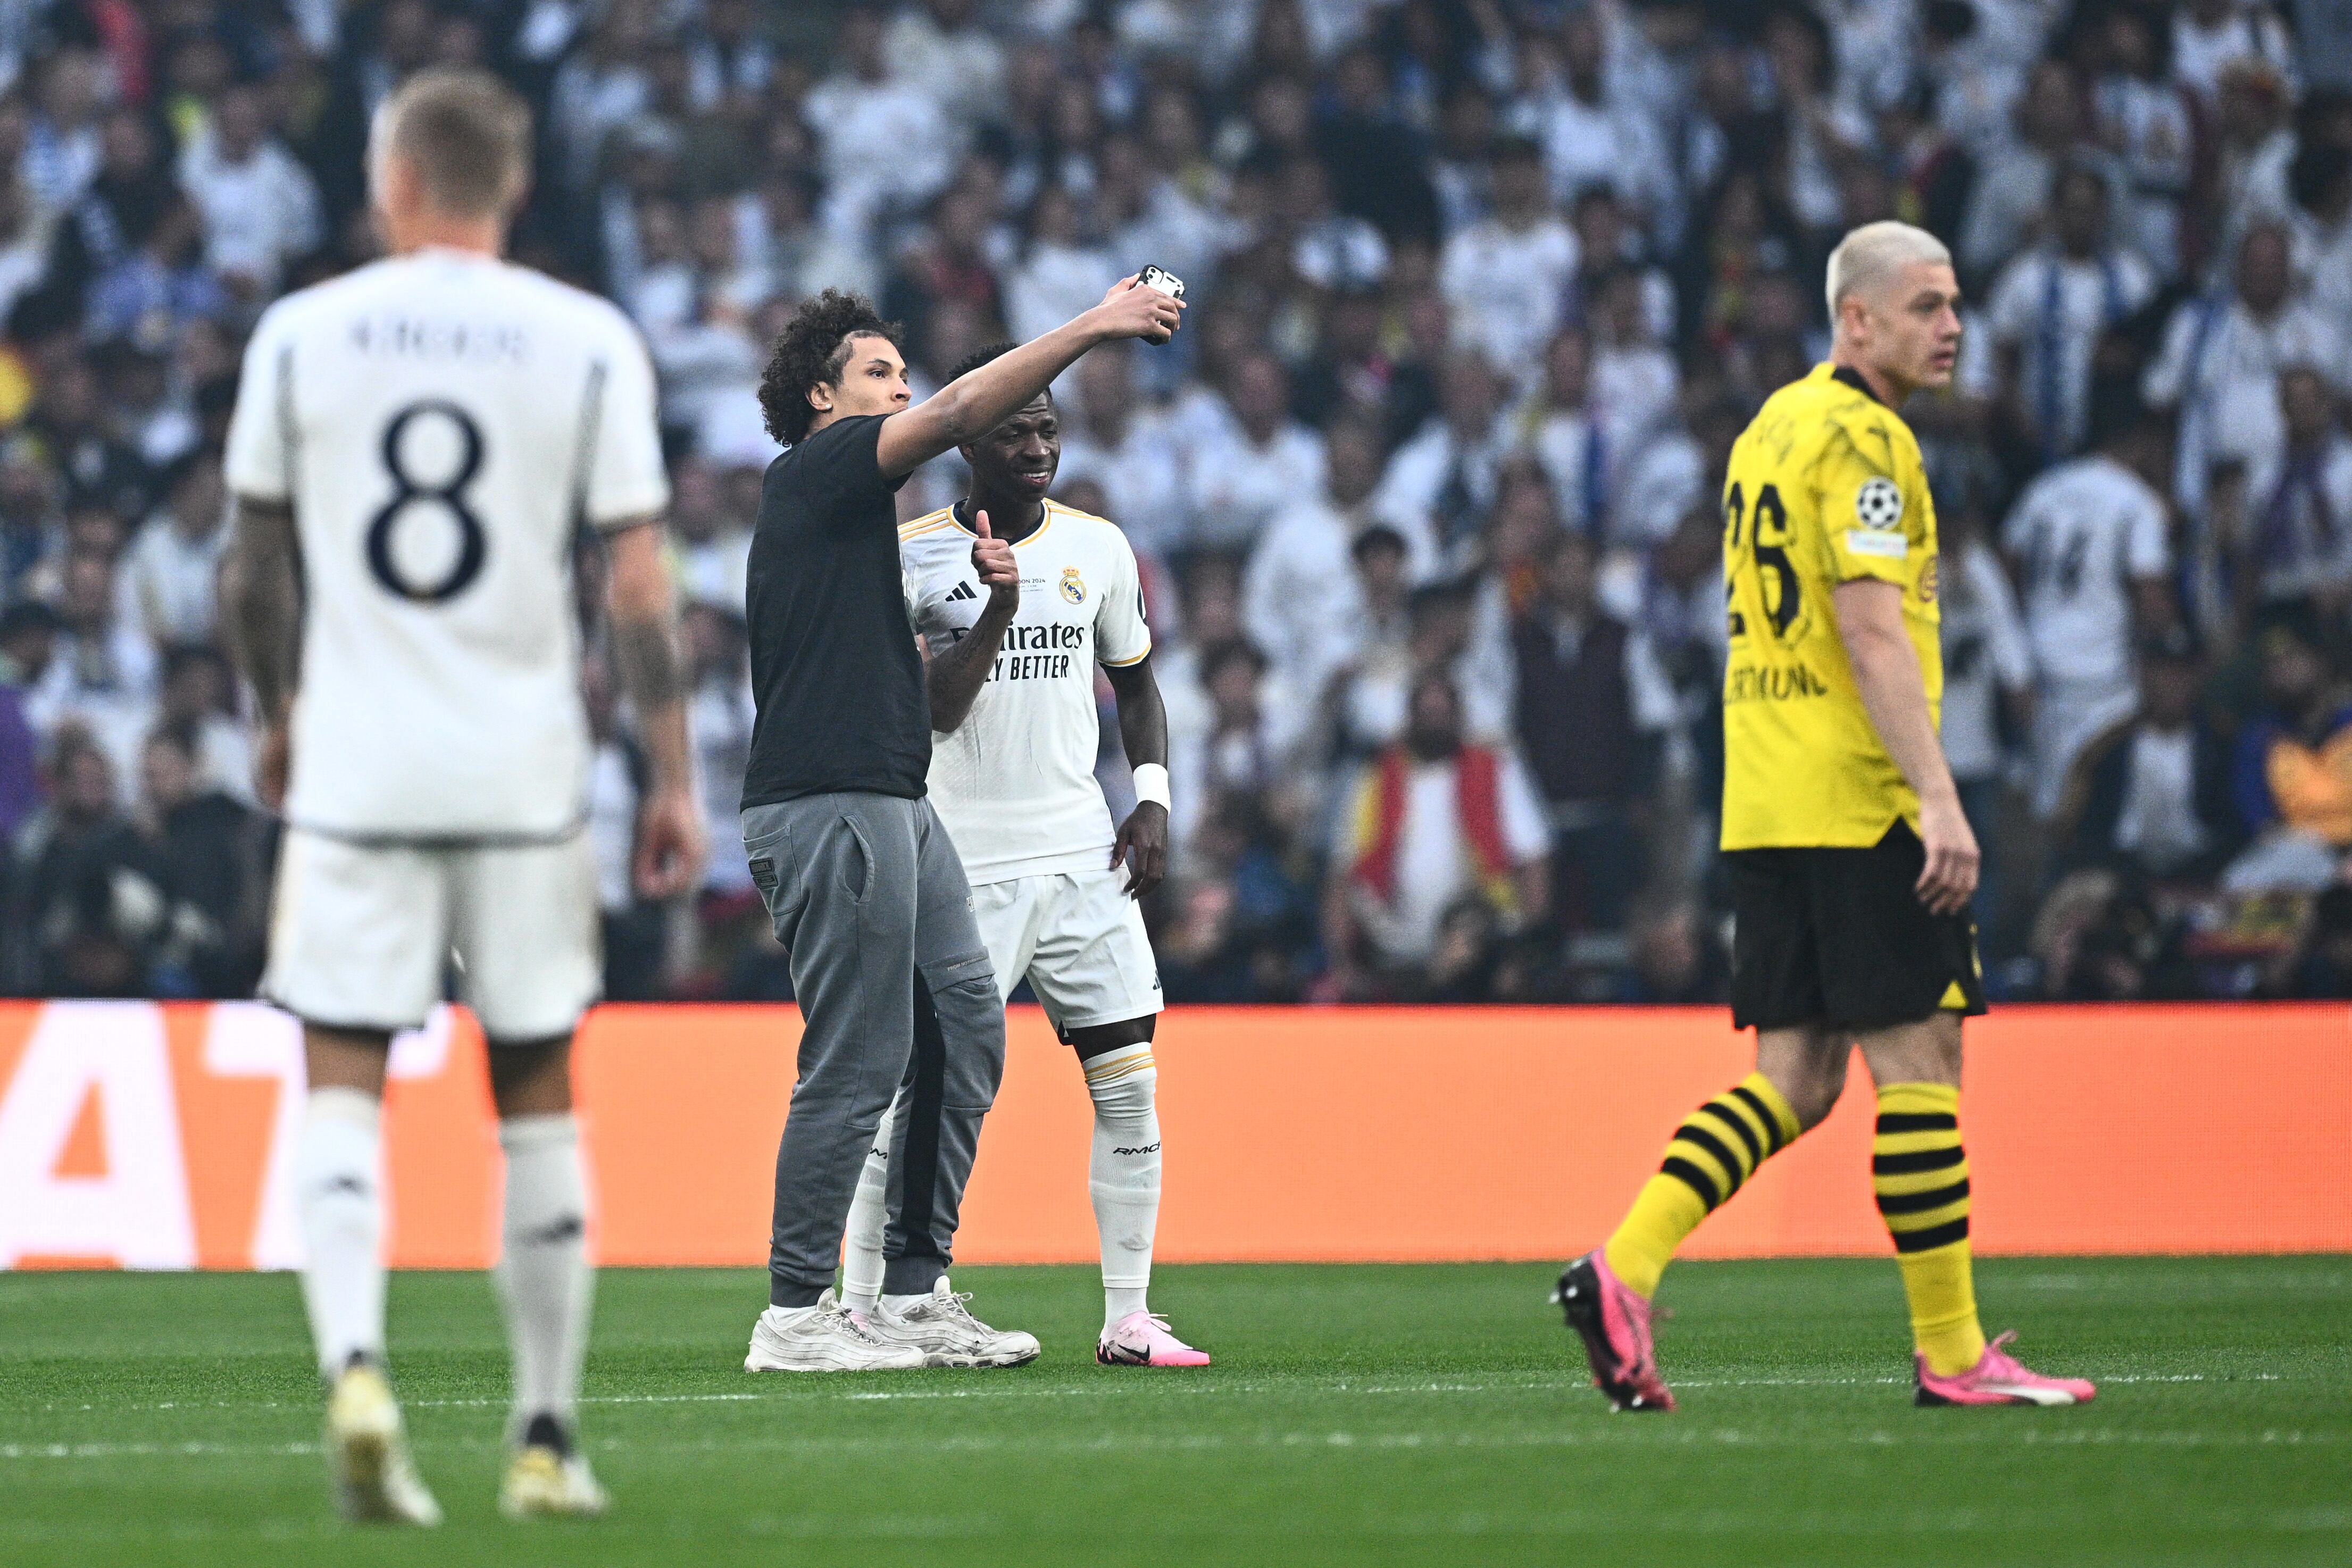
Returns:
<point x="1870" y="256"/>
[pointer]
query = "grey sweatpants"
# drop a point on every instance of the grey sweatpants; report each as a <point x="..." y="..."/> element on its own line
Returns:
<point x="868" y="896"/>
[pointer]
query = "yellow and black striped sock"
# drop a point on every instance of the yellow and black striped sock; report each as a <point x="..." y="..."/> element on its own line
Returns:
<point x="1712" y="1154"/>
<point x="1920" y="1173"/>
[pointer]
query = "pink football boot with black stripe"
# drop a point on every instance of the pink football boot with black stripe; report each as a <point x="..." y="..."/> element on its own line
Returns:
<point x="1999" y="1378"/>
<point x="1614" y="1323"/>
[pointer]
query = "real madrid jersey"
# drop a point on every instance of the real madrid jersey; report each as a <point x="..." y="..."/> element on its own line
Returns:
<point x="441" y="425"/>
<point x="1825" y="486"/>
<point x="1015" y="781"/>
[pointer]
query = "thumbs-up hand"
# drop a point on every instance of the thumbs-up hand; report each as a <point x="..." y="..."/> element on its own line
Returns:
<point x="992" y="558"/>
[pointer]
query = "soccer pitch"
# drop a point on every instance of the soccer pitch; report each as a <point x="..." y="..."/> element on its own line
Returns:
<point x="1421" y="1414"/>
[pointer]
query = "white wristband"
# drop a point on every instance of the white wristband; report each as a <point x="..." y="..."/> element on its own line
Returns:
<point x="1151" y="785"/>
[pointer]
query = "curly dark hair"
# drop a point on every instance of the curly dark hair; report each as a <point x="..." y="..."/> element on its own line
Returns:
<point x="980" y="356"/>
<point x="811" y="351"/>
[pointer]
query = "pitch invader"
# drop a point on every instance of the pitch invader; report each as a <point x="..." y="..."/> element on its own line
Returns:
<point x="414" y="448"/>
<point x="1017" y="599"/>
<point x="1850" y="862"/>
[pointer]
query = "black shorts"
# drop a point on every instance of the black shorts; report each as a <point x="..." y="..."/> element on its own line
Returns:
<point x="1838" y="937"/>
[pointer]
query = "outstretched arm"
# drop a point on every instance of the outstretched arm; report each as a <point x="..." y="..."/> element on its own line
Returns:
<point x="972" y="404"/>
<point x="1142" y="841"/>
<point x="953" y="679"/>
<point x="261" y="600"/>
<point x="670" y="839"/>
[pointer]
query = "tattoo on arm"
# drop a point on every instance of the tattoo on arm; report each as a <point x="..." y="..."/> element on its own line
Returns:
<point x="261" y="592"/>
<point x="646" y="658"/>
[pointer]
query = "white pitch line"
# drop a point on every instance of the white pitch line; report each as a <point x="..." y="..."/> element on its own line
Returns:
<point x="1566" y="1381"/>
<point x="147" y="1450"/>
<point x="1651" y="1434"/>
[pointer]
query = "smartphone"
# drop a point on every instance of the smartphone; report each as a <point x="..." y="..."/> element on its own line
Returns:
<point x="1160" y="278"/>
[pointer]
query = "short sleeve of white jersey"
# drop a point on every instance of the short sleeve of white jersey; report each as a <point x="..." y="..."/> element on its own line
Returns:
<point x="626" y="479"/>
<point x="1122" y="635"/>
<point x="258" y="459"/>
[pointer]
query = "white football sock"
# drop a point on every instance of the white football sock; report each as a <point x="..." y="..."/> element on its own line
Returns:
<point x="339" y="1194"/>
<point x="869" y="1213"/>
<point x="545" y="1281"/>
<point x="1123" y="1175"/>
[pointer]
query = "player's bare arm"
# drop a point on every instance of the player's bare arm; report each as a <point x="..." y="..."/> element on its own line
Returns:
<point x="1895" y="692"/>
<point x="954" y="678"/>
<point x="978" y="402"/>
<point x="1142" y="843"/>
<point x="261" y="598"/>
<point x="670" y="847"/>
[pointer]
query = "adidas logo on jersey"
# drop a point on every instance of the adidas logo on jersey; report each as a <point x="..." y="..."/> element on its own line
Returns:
<point x="962" y="591"/>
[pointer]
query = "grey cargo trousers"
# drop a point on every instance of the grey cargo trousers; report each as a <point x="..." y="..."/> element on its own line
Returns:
<point x="866" y="894"/>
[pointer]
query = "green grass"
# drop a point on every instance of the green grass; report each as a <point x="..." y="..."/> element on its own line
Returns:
<point x="1355" y="1415"/>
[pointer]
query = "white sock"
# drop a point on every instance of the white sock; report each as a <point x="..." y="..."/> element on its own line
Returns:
<point x="339" y="1194"/>
<point x="1123" y="1175"/>
<point x="870" y="1212"/>
<point x="545" y="1281"/>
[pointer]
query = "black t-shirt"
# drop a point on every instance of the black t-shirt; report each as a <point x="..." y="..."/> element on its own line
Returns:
<point x="834" y="668"/>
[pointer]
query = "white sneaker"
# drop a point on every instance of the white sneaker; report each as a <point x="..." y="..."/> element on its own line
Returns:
<point x="368" y="1452"/>
<point x="947" y="1334"/>
<point x="824" y="1340"/>
<point x="544" y="1484"/>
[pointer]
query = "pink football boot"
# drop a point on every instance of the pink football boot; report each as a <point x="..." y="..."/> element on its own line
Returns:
<point x="1614" y="1322"/>
<point x="1141" y="1339"/>
<point x="1998" y="1379"/>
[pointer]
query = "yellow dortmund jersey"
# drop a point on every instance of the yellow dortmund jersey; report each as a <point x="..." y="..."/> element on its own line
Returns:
<point x="1824" y="487"/>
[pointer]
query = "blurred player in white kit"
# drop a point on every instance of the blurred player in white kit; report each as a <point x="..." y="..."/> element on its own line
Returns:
<point x="416" y="447"/>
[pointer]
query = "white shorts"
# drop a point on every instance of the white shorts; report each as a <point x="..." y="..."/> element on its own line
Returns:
<point x="362" y="935"/>
<point x="1079" y="939"/>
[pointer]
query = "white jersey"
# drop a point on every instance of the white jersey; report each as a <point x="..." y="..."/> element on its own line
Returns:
<point x="441" y="424"/>
<point x="2083" y="531"/>
<point x="1015" y="783"/>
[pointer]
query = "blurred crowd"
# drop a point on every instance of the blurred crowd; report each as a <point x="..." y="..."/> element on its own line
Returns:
<point x="1425" y="493"/>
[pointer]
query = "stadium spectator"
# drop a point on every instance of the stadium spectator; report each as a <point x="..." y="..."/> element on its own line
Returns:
<point x="1558" y="422"/>
<point x="207" y="852"/>
<point x="885" y="143"/>
<point x="2302" y="536"/>
<point x="259" y="206"/>
<point x="2051" y="308"/>
<point x="172" y="570"/>
<point x="2218" y="370"/>
<point x="1442" y="484"/>
<point x="1435" y="823"/>
<point x="1299" y="594"/>
<point x="2288" y="781"/>
<point x="1505" y="276"/>
<point x="1590" y="703"/>
<point x="2151" y="797"/>
<point x="82" y="906"/>
<point x="2017" y="175"/>
<point x="1252" y="461"/>
<point x="2089" y="542"/>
